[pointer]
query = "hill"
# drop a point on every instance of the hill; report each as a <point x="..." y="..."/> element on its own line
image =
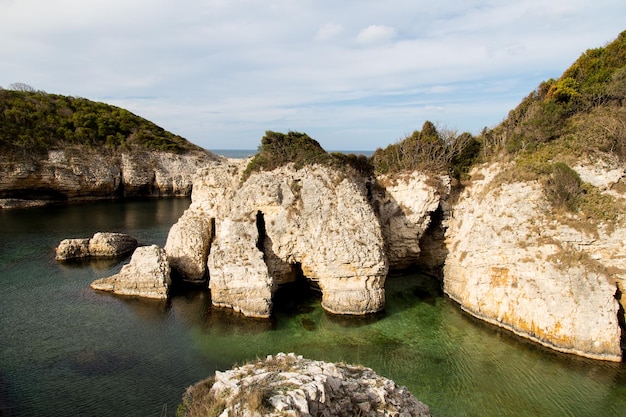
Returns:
<point x="36" y="121"/>
<point x="55" y="148"/>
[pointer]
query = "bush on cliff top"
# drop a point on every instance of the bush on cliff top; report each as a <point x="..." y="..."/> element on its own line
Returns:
<point x="34" y="121"/>
<point x="431" y="150"/>
<point x="279" y="149"/>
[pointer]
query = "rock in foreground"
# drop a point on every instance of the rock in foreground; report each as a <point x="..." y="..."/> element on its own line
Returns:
<point x="147" y="275"/>
<point x="100" y="245"/>
<point x="288" y="385"/>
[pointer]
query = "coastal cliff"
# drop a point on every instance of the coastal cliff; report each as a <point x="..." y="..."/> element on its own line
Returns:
<point x="551" y="278"/>
<point x="59" y="149"/>
<point x="275" y="226"/>
<point x="79" y="174"/>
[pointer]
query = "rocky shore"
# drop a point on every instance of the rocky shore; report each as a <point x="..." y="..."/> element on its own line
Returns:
<point x="84" y="174"/>
<point x="289" y="385"/>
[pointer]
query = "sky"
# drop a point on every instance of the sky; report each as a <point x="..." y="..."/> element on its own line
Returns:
<point x="354" y="75"/>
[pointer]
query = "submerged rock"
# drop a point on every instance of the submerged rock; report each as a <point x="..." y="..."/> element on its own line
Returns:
<point x="100" y="245"/>
<point x="147" y="275"/>
<point x="289" y="385"/>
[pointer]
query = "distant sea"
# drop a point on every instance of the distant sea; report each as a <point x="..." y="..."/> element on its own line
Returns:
<point x="244" y="153"/>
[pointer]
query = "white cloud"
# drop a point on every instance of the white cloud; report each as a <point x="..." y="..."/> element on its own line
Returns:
<point x="222" y="72"/>
<point x="329" y="31"/>
<point x="376" y="34"/>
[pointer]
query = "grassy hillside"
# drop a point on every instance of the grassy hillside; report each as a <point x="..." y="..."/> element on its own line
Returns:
<point x="584" y="108"/>
<point x="581" y="114"/>
<point x="35" y="122"/>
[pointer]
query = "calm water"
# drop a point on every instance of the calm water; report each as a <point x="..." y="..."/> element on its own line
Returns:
<point x="68" y="350"/>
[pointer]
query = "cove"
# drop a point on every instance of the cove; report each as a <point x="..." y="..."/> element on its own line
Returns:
<point x="66" y="349"/>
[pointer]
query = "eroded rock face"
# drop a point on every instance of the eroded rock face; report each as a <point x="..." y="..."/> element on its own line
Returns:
<point x="86" y="174"/>
<point x="404" y="204"/>
<point x="512" y="264"/>
<point x="277" y="223"/>
<point x="100" y="245"/>
<point x="147" y="275"/>
<point x="188" y="244"/>
<point x="291" y="385"/>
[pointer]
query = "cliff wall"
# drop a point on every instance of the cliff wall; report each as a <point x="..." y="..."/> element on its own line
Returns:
<point x="82" y="173"/>
<point x="550" y="277"/>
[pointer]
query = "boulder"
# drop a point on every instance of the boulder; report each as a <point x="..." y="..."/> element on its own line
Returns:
<point x="289" y="385"/>
<point x="100" y="245"/>
<point x="147" y="275"/>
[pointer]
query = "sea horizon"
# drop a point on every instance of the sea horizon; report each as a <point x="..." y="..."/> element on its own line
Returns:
<point x="245" y="153"/>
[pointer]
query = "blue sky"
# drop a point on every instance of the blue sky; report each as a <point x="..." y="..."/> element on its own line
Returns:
<point x="355" y="75"/>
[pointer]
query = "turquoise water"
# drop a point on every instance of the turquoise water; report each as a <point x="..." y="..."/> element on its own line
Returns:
<point x="68" y="350"/>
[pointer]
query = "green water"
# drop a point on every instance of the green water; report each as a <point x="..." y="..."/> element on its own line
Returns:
<point x="68" y="350"/>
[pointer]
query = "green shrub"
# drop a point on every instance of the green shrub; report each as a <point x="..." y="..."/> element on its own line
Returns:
<point x="429" y="150"/>
<point x="279" y="149"/>
<point x="563" y="187"/>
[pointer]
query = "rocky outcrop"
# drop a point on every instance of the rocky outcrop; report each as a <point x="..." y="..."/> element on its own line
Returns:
<point x="276" y="225"/>
<point x="404" y="205"/>
<point x="100" y="245"/>
<point x="291" y="385"/>
<point x="147" y="275"/>
<point x="187" y="247"/>
<point x="513" y="263"/>
<point x="82" y="173"/>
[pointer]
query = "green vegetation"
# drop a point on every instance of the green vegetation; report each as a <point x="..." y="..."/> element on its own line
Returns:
<point x="585" y="105"/>
<point x="34" y="121"/>
<point x="431" y="150"/>
<point x="279" y="149"/>
<point x="580" y="116"/>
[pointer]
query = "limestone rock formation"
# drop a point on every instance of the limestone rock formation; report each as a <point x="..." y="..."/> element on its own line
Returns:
<point x="147" y="275"/>
<point x="404" y="204"/>
<point x="289" y="385"/>
<point x="187" y="246"/>
<point x="513" y="264"/>
<point x="100" y="245"/>
<point x="315" y="221"/>
<point x="86" y="174"/>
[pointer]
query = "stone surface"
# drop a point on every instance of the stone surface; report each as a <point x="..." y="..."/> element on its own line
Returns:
<point x="78" y="174"/>
<point x="100" y="245"/>
<point x="514" y="264"/>
<point x="289" y="385"/>
<point x="147" y="275"/>
<point x="404" y="204"/>
<point x="275" y="224"/>
<point x="188" y="244"/>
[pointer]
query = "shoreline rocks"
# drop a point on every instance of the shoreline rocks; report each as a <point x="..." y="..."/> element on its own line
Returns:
<point x="147" y="275"/>
<point x="516" y="264"/>
<point x="289" y="385"/>
<point x="102" y="244"/>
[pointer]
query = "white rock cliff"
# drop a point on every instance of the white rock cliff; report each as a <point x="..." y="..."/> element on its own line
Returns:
<point x="512" y="264"/>
<point x="275" y="225"/>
